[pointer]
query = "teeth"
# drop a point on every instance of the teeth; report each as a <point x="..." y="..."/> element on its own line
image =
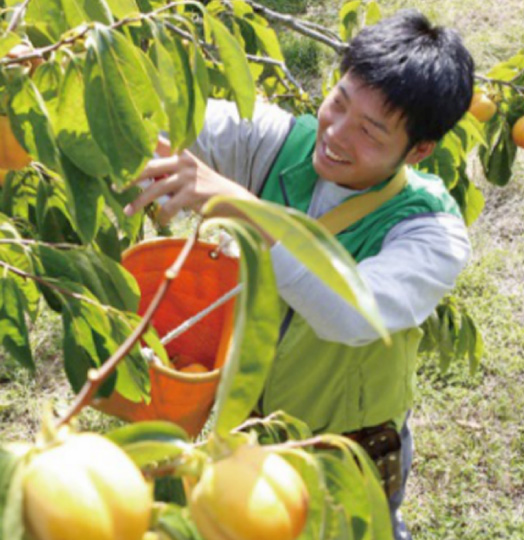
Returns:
<point x="334" y="157"/>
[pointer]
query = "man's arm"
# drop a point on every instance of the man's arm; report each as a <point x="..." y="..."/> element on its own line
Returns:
<point x="230" y="157"/>
<point x="419" y="262"/>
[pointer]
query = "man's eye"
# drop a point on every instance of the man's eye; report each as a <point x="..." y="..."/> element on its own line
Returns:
<point x="368" y="134"/>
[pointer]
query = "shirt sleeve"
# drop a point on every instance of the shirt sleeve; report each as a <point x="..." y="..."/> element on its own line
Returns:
<point x="238" y="149"/>
<point x="419" y="262"/>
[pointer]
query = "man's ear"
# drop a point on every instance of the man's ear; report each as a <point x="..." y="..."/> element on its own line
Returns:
<point x="420" y="151"/>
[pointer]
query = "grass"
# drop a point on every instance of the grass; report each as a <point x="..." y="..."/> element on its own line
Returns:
<point x="468" y="475"/>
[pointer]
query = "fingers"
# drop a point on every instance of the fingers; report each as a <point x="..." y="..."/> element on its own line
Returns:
<point x="160" y="167"/>
<point x="163" y="148"/>
<point x="168" y="186"/>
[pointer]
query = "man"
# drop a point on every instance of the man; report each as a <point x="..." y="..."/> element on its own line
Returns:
<point x="404" y="84"/>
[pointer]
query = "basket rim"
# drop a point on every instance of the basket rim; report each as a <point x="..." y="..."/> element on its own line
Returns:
<point x="182" y="376"/>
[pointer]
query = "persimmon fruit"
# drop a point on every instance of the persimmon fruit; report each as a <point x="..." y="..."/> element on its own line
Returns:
<point x="12" y="155"/>
<point x="194" y="368"/>
<point x="253" y="494"/>
<point x="517" y="132"/>
<point x="85" y="488"/>
<point x="482" y="108"/>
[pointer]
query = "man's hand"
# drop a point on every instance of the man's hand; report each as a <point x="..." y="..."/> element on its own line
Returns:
<point x="187" y="181"/>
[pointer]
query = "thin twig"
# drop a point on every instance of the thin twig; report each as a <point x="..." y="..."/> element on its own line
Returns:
<point x="517" y="88"/>
<point x="82" y="30"/>
<point x="255" y="59"/>
<point x="273" y="62"/>
<point x="97" y="377"/>
<point x="56" y="288"/>
<point x="28" y="242"/>
<point x="291" y="22"/>
<point x="17" y="16"/>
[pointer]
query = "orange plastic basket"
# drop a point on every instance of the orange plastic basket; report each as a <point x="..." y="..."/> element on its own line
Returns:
<point x="207" y="274"/>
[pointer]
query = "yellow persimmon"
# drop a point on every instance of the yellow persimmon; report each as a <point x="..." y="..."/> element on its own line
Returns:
<point x="12" y="155"/>
<point x="253" y="494"/>
<point x="517" y="132"/>
<point x="482" y="108"/>
<point x="85" y="488"/>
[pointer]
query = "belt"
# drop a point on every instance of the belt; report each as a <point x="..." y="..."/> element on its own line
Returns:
<point x="383" y="445"/>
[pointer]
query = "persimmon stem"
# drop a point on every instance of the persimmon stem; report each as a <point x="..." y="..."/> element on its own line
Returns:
<point x="97" y="376"/>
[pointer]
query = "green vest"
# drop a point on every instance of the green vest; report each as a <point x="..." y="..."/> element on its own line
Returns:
<point x="334" y="387"/>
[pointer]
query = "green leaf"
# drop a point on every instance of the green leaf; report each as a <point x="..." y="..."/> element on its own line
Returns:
<point x="508" y="69"/>
<point x="311" y="472"/>
<point x="107" y="238"/>
<point x="53" y="218"/>
<point x="278" y="427"/>
<point x="475" y="203"/>
<point x="149" y="442"/>
<point x="347" y="491"/>
<point x="255" y="334"/>
<point x="499" y="165"/>
<point x="80" y="11"/>
<point x="176" y="100"/>
<point x="123" y="110"/>
<point x="13" y="330"/>
<point x="8" y="464"/>
<point x="199" y="96"/>
<point x="86" y="202"/>
<point x="12" y="470"/>
<point x="312" y="245"/>
<point x="133" y="373"/>
<point x="373" y="14"/>
<point x="174" y="522"/>
<point x="380" y="517"/>
<point x="18" y="256"/>
<point x="30" y="122"/>
<point x="80" y="321"/>
<point x="47" y="17"/>
<point x="462" y="346"/>
<point x="47" y="78"/>
<point x="129" y="226"/>
<point x="72" y="128"/>
<point x="348" y="17"/>
<point x="179" y="97"/>
<point x="235" y="66"/>
<point x="102" y="277"/>
<point x="266" y="39"/>
<point x="123" y="8"/>
<point x="475" y="345"/>
<point x="7" y="42"/>
<point x="446" y="344"/>
<point x="78" y="355"/>
<point x="471" y="132"/>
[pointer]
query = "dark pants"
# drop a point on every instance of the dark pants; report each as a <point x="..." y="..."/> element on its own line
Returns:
<point x="399" y="527"/>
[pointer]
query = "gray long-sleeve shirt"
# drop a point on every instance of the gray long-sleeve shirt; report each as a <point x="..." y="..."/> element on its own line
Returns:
<point x="420" y="256"/>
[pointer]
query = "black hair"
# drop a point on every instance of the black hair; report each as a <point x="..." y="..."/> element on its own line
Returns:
<point x="424" y="72"/>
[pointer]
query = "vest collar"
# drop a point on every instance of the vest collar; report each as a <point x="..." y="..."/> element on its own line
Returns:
<point x="298" y="183"/>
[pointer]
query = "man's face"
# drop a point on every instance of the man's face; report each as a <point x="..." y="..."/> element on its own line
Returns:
<point x="359" y="142"/>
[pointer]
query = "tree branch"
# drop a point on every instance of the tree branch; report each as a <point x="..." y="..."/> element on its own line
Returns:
<point x="312" y="31"/>
<point x="17" y="16"/>
<point x="255" y="59"/>
<point x="510" y="84"/>
<point x="52" y="286"/>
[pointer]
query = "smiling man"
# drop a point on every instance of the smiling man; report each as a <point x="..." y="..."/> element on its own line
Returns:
<point x="404" y="84"/>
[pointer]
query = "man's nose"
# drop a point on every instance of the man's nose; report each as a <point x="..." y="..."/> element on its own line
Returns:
<point x="340" y="131"/>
